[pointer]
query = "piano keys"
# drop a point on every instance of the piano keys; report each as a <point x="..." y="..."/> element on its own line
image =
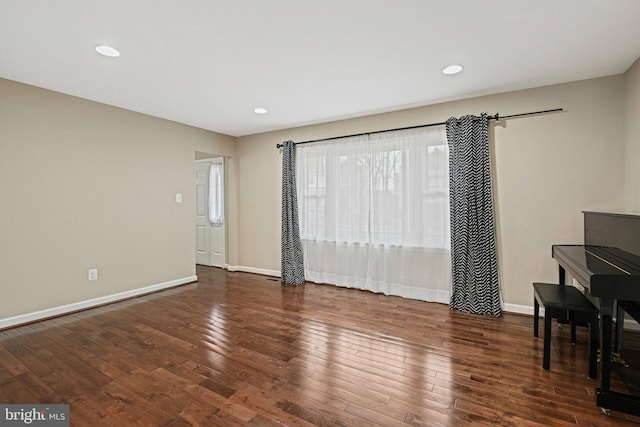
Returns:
<point x="608" y="267"/>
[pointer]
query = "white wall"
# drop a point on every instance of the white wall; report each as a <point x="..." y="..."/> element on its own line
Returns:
<point x="547" y="169"/>
<point x="85" y="185"/>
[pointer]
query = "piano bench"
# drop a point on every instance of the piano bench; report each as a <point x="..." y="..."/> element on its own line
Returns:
<point x="568" y="302"/>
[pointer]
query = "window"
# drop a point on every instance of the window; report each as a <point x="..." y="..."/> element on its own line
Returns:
<point x="387" y="192"/>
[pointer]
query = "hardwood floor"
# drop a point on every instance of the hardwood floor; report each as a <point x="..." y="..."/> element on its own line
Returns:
<point x="239" y="349"/>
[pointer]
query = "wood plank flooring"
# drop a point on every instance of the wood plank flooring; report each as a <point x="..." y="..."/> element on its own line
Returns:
<point x="238" y="349"/>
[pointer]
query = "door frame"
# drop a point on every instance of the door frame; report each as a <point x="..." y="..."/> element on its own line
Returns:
<point x="218" y="159"/>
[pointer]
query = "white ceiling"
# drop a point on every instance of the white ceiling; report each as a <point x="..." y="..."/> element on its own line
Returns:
<point x="209" y="63"/>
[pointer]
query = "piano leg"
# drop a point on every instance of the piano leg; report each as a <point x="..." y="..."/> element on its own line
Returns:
<point x="605" y="398"/>
<point x="606" y="324"/>
<point x="563" y="319"/>
<point x="617" y="347"/>
<point x="619" y="328"/>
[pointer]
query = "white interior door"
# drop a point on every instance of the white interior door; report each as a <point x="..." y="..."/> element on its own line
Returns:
<point x="209" y="237"/>
<point x="203" y="232"/>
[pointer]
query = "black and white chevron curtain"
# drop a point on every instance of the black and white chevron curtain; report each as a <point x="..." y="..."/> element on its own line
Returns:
<point x="474" y="264"/>
<point x="292" y="268"/>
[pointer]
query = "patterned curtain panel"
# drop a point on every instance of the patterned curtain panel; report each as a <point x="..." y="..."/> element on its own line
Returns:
<point x="474" y="266"/>
<point x="292" y="269"/>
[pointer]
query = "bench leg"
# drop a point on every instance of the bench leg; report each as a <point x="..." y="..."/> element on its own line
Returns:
<point x="536" y="313"/>
<point x="548" y="314"/>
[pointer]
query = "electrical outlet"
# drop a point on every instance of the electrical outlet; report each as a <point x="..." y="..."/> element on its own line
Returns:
<point x="93" y="274"/>
<point x="178" y="198"/>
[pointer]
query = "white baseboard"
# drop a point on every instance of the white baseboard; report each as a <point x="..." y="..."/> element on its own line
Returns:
<point x="254" y="270"/>
<point x="629" y="324"/>
<point x="83" y="305"/>
<point x="519" y="309"/>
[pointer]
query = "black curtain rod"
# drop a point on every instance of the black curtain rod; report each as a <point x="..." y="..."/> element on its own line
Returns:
<point x="495" y="117"/>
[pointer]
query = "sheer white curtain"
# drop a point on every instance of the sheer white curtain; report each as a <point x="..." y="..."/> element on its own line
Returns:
<point x="374" y="212"/>
<point x="216" y="193"/>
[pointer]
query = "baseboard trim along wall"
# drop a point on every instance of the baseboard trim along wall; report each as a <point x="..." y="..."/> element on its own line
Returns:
<point x="519" y="309"/>
<point x="507" y="308"/>
<point x="83" y="305"/>
<point x="262" y="271"/>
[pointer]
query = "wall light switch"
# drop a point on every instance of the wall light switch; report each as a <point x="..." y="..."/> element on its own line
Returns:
<point x="178" y="198"/>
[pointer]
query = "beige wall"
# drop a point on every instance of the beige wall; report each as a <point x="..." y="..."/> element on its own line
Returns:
<point x="632" y="136"/>
<point x="547" y="169"/>
<point x="85" y="185"/>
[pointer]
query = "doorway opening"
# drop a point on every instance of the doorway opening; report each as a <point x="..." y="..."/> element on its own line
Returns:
<point x="210" y="212"/>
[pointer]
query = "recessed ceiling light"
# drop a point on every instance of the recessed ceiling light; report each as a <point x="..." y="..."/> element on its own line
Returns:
<point x="260" y="110"/>
<point x="107" y="51"/>
<point x="452" y="69"/>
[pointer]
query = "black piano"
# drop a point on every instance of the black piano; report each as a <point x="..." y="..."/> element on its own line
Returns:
<point x="608" y="267"/>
